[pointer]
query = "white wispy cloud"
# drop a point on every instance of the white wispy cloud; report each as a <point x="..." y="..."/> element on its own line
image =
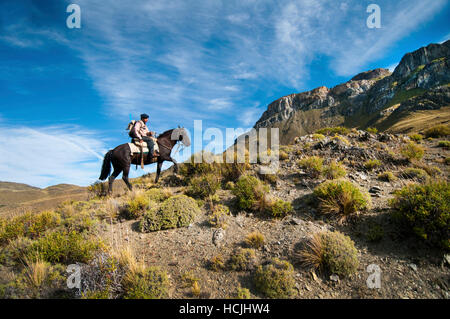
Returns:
<point x="44" y="156"/>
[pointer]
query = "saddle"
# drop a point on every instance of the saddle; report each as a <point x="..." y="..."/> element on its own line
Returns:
<point x="141" y="148"/>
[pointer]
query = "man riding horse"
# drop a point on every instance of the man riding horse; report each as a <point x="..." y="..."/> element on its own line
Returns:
<point x="121" y="157"/>
<point x="141" y="132"/>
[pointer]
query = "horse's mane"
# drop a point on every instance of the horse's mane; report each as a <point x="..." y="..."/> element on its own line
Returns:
<point x="166" y="133"/>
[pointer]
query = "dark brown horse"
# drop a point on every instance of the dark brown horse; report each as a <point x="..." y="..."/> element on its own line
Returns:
<point x="121" y="157"/>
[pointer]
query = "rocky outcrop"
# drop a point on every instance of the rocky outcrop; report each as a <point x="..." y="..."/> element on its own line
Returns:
<point x="420" y="82"/>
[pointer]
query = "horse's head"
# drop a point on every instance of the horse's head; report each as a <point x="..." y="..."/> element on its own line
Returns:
<point x="181" y="134"/>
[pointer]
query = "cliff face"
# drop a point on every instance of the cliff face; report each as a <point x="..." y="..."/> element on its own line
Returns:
<point x="374" y="98"/>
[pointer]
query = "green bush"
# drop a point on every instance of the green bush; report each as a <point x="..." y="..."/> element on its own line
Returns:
<point x="341" y="197"/>
<point x="387" y="177"/>
<point x="242" y="293"/>
<point x="255" y="239"/>
<point x="372" y="130"/>
<point x="438" y="131"/>
<point x="279" y="208"/>
<point x="414" y="173"/>
<point x="371" y="164"/>
<point x="217" y="263"/>
<point x="28" y="225"/>
<point x="412" y="151"/>
<point x="444" y="144"/>
<point x="149" y="283"/>
<point x="248" y="191"/>
<point x="137" y="206"/>
<point x="425" y="210"/>
<point x="334" y="170"/>
<point x="333" y="131"/>
<point x="65" y="247"/>
<point x="331" y="251"/>
<point x="416" y="137"/>
<point x="318" y="137"/>
<point x="177" y="211"/>
<point x="219" y="216"/>
<point x="276" y="279"/>
<point x="203" y="186"/>
<point x="313" y="165"/>
<point x="283" y="155"/>
<point x="243" y="259"/>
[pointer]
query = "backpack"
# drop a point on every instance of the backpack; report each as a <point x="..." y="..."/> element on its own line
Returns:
<point x="130" y="128"/>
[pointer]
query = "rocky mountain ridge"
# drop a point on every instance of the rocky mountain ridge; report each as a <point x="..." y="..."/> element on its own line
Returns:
<point x="375" y="98"/>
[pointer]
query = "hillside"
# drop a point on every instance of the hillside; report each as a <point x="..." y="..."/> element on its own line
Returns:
<point x="17" y="198"/>
<point x="414" y="97"/>
<point x="206" y="253"/>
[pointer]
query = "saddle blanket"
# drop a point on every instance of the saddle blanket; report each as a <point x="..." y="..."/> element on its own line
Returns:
<point x="136" y="149"/>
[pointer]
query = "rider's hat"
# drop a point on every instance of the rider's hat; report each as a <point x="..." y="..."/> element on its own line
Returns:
<point x="144" y="116"/>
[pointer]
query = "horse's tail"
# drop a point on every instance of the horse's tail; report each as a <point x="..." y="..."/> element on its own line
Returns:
<point x="106" y="167"/>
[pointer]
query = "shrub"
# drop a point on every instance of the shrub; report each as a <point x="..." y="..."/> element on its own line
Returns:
<point x="341" y="139"/>
<point x="136" y="206"/>
<point x="217" y="263"/>
<point x="313" y="165"/>
<point x="248" y="190"/>
<point x="330" y="251"/>
<point x="387" y="177"/>
<point x="255" y="239"/>
<point x="97" y="190"/>
<point x="158" y="194"/>
<point x="189" y="168"/>
<point x="414" y="173"/>
<point x="333" y="130"/>
<point x="425" y="210"/>
<point x="177" y="211"/>
<point x="341" y="197"/>
<point x="146" y="283"/>
<point x="438" y="131"/>
<point x="271" y="178"/>
<point x="229" y="185"/>
<point x="219" y="216"/>
<point x="412" y="151"/>
<point x="447" y="161"/>
<point x="64" y="247"/>
<point x="416" y="137"/>
<point x="242" y="293"/>
<point x="444" y="144"/>
<point x="243" y="259"/>
<point x="276" y="279"/>
<point x="283" y="155"/>
<point x="28" y="225"/>
<point x="279" y="208"/>
<point x="371" y="164"/>
<point x="203" y="186"/>
<point x="318" y="137"/>
<point x="334" y="170"/>
<point x="372" y="130"/>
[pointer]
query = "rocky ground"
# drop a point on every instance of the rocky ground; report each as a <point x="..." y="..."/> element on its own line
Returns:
<point x="409" y="268"/>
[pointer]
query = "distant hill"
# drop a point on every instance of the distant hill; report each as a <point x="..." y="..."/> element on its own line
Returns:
<point x="17" y="198"/>
<point x="412" y="98"/>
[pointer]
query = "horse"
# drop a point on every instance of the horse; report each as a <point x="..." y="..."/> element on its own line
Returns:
<point x="121" y="157"/>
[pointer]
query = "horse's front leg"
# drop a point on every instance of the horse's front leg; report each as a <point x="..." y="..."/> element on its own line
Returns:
<point x="175" y="164"/>
<point x="158" y="171"/>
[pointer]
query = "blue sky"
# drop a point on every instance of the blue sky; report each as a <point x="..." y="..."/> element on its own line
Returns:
<point x="66" y="95"/>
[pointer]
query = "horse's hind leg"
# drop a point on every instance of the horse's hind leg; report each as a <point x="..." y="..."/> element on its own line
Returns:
<point x="158" y="171"/>
<point x="112" y="178"/>
<point x="126" y="171"/>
